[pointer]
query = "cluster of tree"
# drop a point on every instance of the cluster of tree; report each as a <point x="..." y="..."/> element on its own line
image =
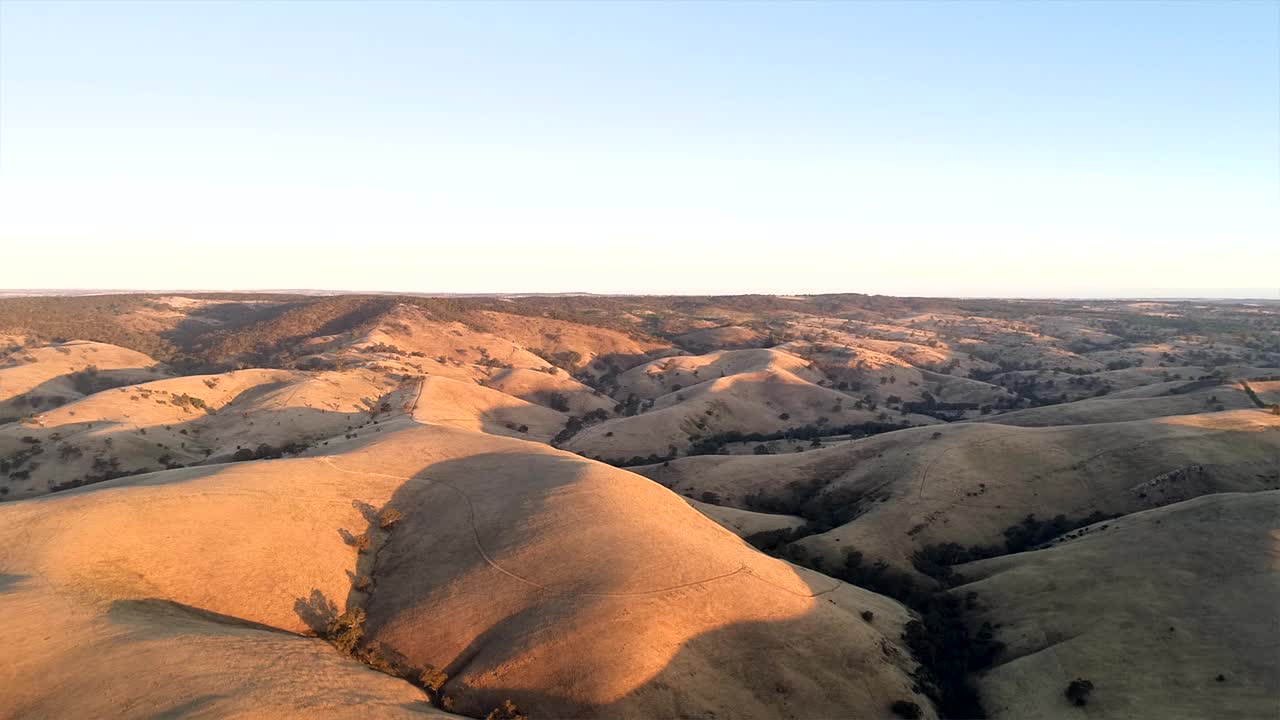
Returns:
<point x="574" y="424"/>
<point x="632" y="406"/>
<point x="774" y="542"/>
<point x="488" y="361"/>
<point x="186" y="401"/>
<point x="929" y="405"/>
<point x="636" y="460"/>
<point x="937" y="560"/>
<point x="714" y="444"/>
<point x="1252" y="395"/>
<point x="941" y="640"/>
<point x="384" y="348"/>
<point x="102" y="469"/>
<point x="268" y="452"/>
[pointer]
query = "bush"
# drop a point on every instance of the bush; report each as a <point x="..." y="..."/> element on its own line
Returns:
<point x="389" y="517"/>
<point x="558" y="401"/>
<point x="347" y="630"/>
<point x="905" y="709"/>
<point x="361" y="543"/>
<point x="432" y="679"/>
<point x="186" y="402"/>
<point x="1078" y="691"/>
<point x="506" y="711"/>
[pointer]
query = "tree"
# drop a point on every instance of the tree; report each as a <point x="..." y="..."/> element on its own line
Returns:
<point x="1078" y="691"/>
<point x="905" y="709"/>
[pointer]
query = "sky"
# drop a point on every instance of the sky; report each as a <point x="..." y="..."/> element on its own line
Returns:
<point x="976" y="149"/>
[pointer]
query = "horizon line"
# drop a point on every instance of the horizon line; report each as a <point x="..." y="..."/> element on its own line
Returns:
<point x="1168" y="294"/>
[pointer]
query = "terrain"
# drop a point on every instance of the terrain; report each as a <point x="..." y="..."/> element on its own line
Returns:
<point x="590" y="506"/>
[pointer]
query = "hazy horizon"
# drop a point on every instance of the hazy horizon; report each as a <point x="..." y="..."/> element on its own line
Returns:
<point x="1209" y="294"/>
<point x="941" y="149"/>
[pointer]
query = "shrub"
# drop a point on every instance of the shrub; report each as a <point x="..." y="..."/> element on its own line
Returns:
<point x="363" y="583"/>
<point x="347" y="630"/>
<point x="361" y="542"/>
<point x="389" y="517"/>
<point x="868" y="615"/>
<point x="1078" y="691"/>
<point x="905" y="709"/>
<point x="558" y="401"/>
<point x="432" y="679"/>
<point x="186" y="402"/>
<point x="506" y="711"/>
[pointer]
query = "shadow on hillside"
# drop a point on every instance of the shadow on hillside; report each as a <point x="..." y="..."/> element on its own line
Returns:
<point x="191" y="707"/>
<point x="182" y="619"/>
<point x="472" y="525"/>
<point x="220" y="319"/>
<point x="9" y="582"/>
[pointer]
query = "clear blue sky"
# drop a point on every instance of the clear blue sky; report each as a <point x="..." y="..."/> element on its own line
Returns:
<point x="925" y="148"/>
